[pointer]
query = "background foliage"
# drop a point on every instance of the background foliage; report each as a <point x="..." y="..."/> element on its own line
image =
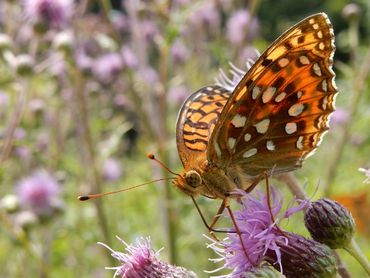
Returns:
<point x="86" y="93"/>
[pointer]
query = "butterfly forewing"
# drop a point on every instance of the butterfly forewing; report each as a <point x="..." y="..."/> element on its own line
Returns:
<point x="196" y="121"/>
<point x="279" y="111"/>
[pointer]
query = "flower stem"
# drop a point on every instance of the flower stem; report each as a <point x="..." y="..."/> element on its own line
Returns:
<point x="356" y="252"/>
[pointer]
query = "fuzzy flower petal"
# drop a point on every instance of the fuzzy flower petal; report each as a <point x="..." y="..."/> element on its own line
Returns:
<point x="140" y="260"/>
<point x="257" y="221"/>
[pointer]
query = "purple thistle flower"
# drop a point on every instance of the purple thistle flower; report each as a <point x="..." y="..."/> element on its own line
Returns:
<point x="112" y="170"/>
<point x="340" y="117"/>
<point x="142" y="261"/>
<point x="179" y="52"/>
<point x="52" y="13"/>
<point x="107" y="67"/>
<point x="39" y="193"/>
<point x="238" y="23"/>
<point x="259" y="233"/>
<point x="178" y="94"/>
<point x="129" y="58"/>
<point x="367" y="174"/>
<point x="205" y="16"/>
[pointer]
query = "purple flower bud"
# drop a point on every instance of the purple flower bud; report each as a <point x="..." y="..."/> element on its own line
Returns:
<point x="142" y="261"/>
<point x="178" y="94"/>
<point x="39" y="193"/>
<point x="48" y="13"/>
<point x="239" y="24"/>
<point x="303" y="258"/>
<point x="129" y="58"/>
<point x="23" y="64"/>
<point x="179" y="52"/>
<point x="351" y="11"/>
<point x="112" y="170"/>
<point x="107" y="67"/>
<point x="330" y="223"/>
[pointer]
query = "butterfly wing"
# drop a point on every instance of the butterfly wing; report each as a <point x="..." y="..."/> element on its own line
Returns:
<point x="196" y="121"/>
<point x="280" y="109"/>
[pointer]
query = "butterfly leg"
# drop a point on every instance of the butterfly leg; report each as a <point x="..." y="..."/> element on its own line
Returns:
<point x="237" y="230"/>
<point x="256" y="182"/>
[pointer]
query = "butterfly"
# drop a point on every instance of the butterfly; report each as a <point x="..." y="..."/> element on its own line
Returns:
<point x="270" y="123"/>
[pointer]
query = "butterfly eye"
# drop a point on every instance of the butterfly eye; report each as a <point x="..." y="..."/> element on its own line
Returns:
<point x="193" y="178"/>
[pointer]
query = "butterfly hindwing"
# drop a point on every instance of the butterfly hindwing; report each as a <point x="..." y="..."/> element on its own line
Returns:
<point x="280" y="109"/>
<point x="196" y="121"/>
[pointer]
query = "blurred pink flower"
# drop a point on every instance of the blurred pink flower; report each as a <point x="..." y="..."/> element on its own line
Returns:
<point x="107" y="67"/>
<point x="179" y="52"/>
<point x="129" y="58"/>
<point x="206" y="16"/>
<point x="39" y="193"/>
<point x="178" y="94"/>
<point x="112" y="170"/>
<point x="239" y="24"/>
<point x="339" y="117"/>
<point x="53" y="13"/>
<point x="4" y="99"/>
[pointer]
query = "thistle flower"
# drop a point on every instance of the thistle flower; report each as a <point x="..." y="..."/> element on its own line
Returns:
<point x="142" y="261"/>
<point x="240" y="21"/>
<point x="48" y="13"/>
<point x="107" y="67"/>
<point x="260" y="234"/>
<point x="330" y="223"/>
<point x="179" y="52"/>
<point x="129" y="58"/>
<point x="112" y="170"/>
<point x="39" y="193"/>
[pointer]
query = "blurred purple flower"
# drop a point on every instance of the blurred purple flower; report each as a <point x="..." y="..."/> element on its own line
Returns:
<point x="239" y="24"/>
<point x="112" y="170"/>
<point x="107" y="67"/>
<point x="3" y="99"/>
<point x="339" y="117"/>
<point x="36" y="104"/>
<point x="19" y="133"/>
<point x="83" y="61"/>
<point x="129" y="57"/>
<point x="149" y="74"/>
<point x="120" y="100"/>
<point x="206" y="16"/>
<point x="39" y="193"/>
<point x="179" y="52"/>
<point x="178" y="94"/>
<point x="148" y="29"/>
<point x="142" y="261"/>
<point x="53" y="13"/>
<point x="259" y="233"/>
<point x="367" y="174"/>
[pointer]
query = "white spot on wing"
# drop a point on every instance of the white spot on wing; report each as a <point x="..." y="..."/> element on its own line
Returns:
<point x="283" y="62"/>
<point x="299" y="143"/>
<point x="304" y="60"/>
<point x="268" y="94"/>
<point x="290" y="128"/>
<point x="317" y="69"/>
<point x="262" y="126"/>
<point x="247" y="137"/>
<point x="324" y="85"/>
<point x="238" y="121"/>
<point x="250" y="153"/>
<point x="280" y="97"/>
<point x="270" y="145"/>
<point x="255" y="92"/>
<point x="231" y="143"/>
<point x="296" y="109"/>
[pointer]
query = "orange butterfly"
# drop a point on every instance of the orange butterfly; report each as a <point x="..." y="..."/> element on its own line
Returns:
<point x="274" y="119"/>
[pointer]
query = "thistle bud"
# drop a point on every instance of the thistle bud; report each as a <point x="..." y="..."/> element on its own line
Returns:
<point x="301" y="257"/>
<point x="262" y="272"/>
<point x="330" y="223"/>
<point x="23" y="64"/>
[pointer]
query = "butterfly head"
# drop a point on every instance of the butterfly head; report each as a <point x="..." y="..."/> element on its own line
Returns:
<point x="189" y="182"/>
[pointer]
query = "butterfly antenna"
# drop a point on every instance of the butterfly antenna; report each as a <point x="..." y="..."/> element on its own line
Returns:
<point x="94" y="196"/>
<point x="152" y="157"/>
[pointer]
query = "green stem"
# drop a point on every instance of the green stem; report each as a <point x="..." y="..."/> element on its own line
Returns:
<point x="356" y="252"/>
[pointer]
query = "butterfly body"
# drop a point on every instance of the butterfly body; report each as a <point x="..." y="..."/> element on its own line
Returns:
<point x="272" y="120"/>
